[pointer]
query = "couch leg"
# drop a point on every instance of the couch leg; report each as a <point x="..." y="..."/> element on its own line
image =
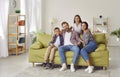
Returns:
<point x="33" y="64"/>
<point x="104" y="68"/>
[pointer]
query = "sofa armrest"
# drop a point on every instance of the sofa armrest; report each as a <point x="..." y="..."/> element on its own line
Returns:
<point x="101" y="47"/>
<point x="36" y="45"/>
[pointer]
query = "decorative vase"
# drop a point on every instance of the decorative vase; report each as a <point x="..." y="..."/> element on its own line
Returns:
<point x="21" y="23"/>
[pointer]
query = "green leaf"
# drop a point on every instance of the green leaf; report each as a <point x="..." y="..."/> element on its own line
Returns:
<point x="116" y="33"/>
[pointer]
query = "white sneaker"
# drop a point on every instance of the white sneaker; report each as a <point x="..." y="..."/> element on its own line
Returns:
<point x="64" y="67"/>
<point x="72" y="68"/>
<point x="87" y="69"/>
<point x="90" y="69"/>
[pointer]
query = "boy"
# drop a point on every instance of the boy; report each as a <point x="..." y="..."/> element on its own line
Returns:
<point x="57" y="40"/>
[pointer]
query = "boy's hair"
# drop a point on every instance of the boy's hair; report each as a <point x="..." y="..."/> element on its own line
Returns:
<point x="64" y="23"/>
<point x="56" y="28"/>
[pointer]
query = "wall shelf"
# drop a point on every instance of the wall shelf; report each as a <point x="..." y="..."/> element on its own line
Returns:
<point x="100" y="25"/>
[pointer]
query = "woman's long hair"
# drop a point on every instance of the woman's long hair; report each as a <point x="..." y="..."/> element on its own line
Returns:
<point x="80" y="20"/>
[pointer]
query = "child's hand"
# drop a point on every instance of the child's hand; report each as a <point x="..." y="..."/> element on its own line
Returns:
<point x="51" y="44"/>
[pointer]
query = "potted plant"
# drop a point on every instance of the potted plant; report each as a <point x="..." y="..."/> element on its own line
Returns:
<point x="17" y="11"/>
<point x="116" y="33"/>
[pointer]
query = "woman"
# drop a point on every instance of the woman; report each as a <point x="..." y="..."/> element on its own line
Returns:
<point x="90" y="45"/>
<point x="77" y="24"/>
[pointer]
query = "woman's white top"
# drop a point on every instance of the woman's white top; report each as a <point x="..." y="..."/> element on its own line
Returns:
<point x="77" y="28"/>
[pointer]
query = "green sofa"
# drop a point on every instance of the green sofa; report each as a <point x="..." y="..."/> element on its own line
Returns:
<point x="100" y="57"/>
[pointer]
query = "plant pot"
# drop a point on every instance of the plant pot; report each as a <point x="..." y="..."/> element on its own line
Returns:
<point x="118" y="39"/>
<point x="17" y="11"/>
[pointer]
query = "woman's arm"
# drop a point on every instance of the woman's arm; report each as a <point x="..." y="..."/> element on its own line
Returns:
<point x="87" y="36"/>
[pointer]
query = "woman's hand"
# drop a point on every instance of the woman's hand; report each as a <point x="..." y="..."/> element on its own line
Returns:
<point x="82" y="41"/>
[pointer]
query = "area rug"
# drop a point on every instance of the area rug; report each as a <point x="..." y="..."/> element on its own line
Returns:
<point x="38" y="71"/>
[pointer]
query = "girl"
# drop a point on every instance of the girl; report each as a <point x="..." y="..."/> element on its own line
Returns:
<point x="77" y="24"/>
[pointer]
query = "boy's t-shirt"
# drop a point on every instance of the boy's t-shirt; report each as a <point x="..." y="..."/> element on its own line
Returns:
<point x="57" y="42"/>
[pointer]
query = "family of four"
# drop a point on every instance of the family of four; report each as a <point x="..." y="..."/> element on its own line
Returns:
<point x="68" y="39"/>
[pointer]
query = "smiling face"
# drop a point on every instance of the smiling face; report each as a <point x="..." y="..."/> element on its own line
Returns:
<point x="65" y="26"/>
<point x="57" y="32"/>
<point x="84" y="26"/>
<point x="77" y="19"/>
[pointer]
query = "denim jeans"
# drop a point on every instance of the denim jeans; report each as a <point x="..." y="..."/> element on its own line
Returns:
<point x="90" y="47"/>
<point x="65" y="48"/>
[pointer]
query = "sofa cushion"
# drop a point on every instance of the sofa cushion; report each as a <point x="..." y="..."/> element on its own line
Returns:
<point x="37" y="45"/>
<point x="44" y="39"/>
<point x="99" y="38"/>
<point x="70" y="54"/>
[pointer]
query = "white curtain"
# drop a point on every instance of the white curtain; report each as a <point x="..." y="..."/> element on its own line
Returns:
<point x="4" y="4"/>
<point x="31" y="9"/>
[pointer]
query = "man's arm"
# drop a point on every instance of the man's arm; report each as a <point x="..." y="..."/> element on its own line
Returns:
<point x="88" y="35"/>
<point x="78" y="39"/>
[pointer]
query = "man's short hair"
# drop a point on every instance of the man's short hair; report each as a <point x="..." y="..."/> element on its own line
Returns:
<point x="64" y="23"/>
<point x="56" y="28"/>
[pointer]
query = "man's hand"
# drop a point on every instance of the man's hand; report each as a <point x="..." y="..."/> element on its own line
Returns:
<point x="75" y="44"/>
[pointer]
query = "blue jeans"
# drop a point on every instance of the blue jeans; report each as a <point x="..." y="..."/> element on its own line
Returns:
<point x="90" y="47"/>
<point x="65" y="48"/>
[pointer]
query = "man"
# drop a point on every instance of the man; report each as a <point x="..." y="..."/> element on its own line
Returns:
<point x="71" y="43"/>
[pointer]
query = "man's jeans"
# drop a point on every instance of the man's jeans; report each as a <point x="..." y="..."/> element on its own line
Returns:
<point x="65" y="48"/>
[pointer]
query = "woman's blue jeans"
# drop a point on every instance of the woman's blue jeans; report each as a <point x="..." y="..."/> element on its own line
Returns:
<point x="90" y="47"/>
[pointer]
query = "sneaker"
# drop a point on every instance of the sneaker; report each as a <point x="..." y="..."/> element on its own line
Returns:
<point x="72" y="68"/>
<point x="49" y="65"/>
<point x="90" y="69"/>
<point x="86" y="69"/>
<point x="64" y="67"/>
<point x="44" y="64"/>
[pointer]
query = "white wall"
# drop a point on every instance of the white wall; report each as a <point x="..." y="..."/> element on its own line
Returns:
<point x="43" y="14"/>
<point x="64" y="10"/>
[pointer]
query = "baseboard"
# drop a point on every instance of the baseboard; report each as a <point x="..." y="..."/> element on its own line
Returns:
<point x="113" y="45"/>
